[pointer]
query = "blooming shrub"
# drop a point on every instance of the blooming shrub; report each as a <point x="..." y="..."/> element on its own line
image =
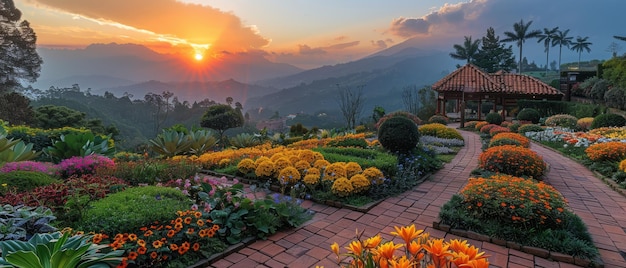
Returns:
<point x="622" y="165"/>
<point x="562" y="120"/>
<point x="265" y="169"/>
<point x="519" y="202"/>
<point x="360" y="183"/>
<point x="498" y="129"/>
<point x="342" y="187"/>
<point x="607" y="151"/>
<point x="529" y="128"/>
<point x="289" y="175"/>
<point x="335" y="171"/>
<point x="613" y="133"/>
<point x="352" y="169"/>
<point x="486" y="128"/>
<point x="374" y="175"/>
<point x="417" y="250"/>
<point x="321" y="164"/>
<point x="302" y="165"/>
<point x="471" y="124"/>
<point x="43" y="167"/>
<point x="524" y="142"/>
<point x="512" y="160"/>
<point x="480" y="125"/>
<point x="440" y="131"/>
<point x="439" y="119"/>
<point x="246" y="166"/>
<point x="584" y="123"/>
<point x="190" y="236"/>
<point x="79" y="165"/>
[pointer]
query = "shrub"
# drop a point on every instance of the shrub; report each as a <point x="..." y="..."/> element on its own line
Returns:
<point x="246" y="166"/>
<point x="480" y="125"/>
<point x="607" y="151"/>
<point x="529" y="114"/>
<point x="43" y="167"/>
<point x="342" y="187"/>
<point x="486" y="128"/>
<point x="504" y="141"/>
<point x="398" y="134"/>
<point x="21" y="222"/>
<point x="440" y="119"/>
<point x="522" y="140"/>
<point x="440" y="131"/>
<point x="584" y="123"/>
<point x="151" y="171"/>
<point x="562" y="120"/>
<point x="403" y="114"/>
<point x="512" y="160"/>
<point x="129" y="210"/>
<point x="622" y="165"/>
<point x="79" y="165"/>
<point x="608" y="120"/>
<point x="494" y="118"/>
<point x="335" y="171"/>
<point x="24" y="181"/>
<point x="529" y="128"/>
<point x="365" y="158"/>
<point x="349" y="142"/>
<point x="498" y="129"/>
<point x="471" y="124"/>
<point x="289" y="175"/>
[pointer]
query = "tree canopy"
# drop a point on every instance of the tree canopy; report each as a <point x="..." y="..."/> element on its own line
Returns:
<point x="494" y="55"/>
<point x="18" y="55"/>
<point x="221" y="117"/>
<point x="519" y="35"/>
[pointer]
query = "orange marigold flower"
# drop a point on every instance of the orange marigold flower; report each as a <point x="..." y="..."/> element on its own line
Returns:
<point x="196" y="247"/>
<point x="186" y="245"/>
<point x="132" y="237"/>
<point x="148" y="233"/>
<point x="132" y="255"/>
<point x="178" y="220"/>
<point x="171" y="233"/>
<point x="157" y="244"/>
<point x="142" y="250"/>
<point x="198" y="214"/>
<point x="154" y="255"/>
<point x="200" y="223"/>
<point x="190" y="231"/>
<point x="141" y="243"/>
<point x="178" y="226"/>
<point x="173" y="247"/>
<point x="187" y="220"/>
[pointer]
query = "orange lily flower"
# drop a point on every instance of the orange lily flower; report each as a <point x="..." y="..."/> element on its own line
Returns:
<point x="408" y="233"/>
<point x="335" y="248"/>
<point x="373" y="241"/>
<point x="387" y="250"/>
<point x="478" y="263"/>
<point x="355" y="247"/>
<point x="401" y="263"/>
<point x="438" y="251"/>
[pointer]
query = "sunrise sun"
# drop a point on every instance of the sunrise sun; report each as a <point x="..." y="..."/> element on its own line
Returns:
<point x="198" y="57"/>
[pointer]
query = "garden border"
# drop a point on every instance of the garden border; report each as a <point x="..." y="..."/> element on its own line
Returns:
<point x="535" y="251"/>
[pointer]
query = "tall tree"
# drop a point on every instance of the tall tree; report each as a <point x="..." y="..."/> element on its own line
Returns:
<point x="351" y="101"/>
<point x="468" y="51"/>
<point x="563" y="40"/>
<point x="18" y="54"/>
<point x="222" y="117"/>
<point x="16" y="109"/>
<point x="494" y="55"/>
<point x="410" y="99"/>
<point x="580" y="45"/>
<point x="547" y="37"/>
<point x="519" y="35"/>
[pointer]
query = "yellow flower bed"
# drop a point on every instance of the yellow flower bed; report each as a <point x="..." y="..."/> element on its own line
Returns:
<point x="610" y="132"/>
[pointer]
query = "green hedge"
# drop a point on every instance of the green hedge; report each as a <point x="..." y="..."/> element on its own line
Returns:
<point x="387" y="163"/>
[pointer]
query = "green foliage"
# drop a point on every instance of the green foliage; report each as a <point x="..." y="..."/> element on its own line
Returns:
<point x="504" y="141"/>
<point x="24" y="181"/>
<point x="18" y="152"/>
<point x="562" y="120"/>
<point x="494" y="118"/>
<point x="514" y="127"/>
<point x="297" y="130"/>
<point x="398" y="134"/>
<point x="58" y="250"/>
<point x="50" y="116"/>
<point x="615" y="98"/>
<point x="529" y="128"/>
<point x="614" y="70"/>
<point x="385" y="162"/>
<point x="221" y="117"/>
<point x="440" y="119"/>
<point x="152" y="171"/>
<point x="608" y="120"/>
<point x="201" y="141"/>
<point x="170" y="143"/>
<point x="529" y="114"/>
<point x="21" y="223"/>
<point x="130" y="209"/>
<point x="15" y="108"/>
<point x="348" y="142"/>
<point x="80" y="144"/>
<point x="244" y="140"/>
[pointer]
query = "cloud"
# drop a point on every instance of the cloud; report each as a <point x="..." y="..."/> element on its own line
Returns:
<point x="307" y="50"/>
<point x="382" y="44"/>
<point x="168" y="20"/>
<point x="343" y="45"/>
<point x="409" y="27"/>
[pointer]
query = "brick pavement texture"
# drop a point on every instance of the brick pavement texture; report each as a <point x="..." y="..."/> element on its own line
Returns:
<point x="601" y="208"/>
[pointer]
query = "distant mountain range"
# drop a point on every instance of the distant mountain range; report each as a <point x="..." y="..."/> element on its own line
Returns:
<point x="248" y="78"/>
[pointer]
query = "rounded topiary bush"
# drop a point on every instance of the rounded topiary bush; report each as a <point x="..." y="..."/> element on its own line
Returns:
<point x="608" y="120"/>
<point x="129" y="210"/>
<point x="513" y="160"/>
<point x="584" y="123"/>
<point x="498" y="129"/>
<point x="440" y="119"/>
<point x="522" y="140"/>
<point x="529" y="114"/>
<point x="562" y="120"/>
<point x="404" y="114"/>
<point x="398" y="134"/>
<point x="494" y="118"/>
<point x="529" y="128"/>
<point x="504" y="141"/>
<point x="25" y="181"/>
<point x="439" y="131"/>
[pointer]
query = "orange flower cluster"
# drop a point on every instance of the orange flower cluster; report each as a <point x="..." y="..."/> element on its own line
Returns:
<point x="607" y="151"/>
<point x="498" y="129"/>
<point x="575" y="137"/>
<point x="513" y="160"/>
<point x="519" y="202"/>
<point x="160" y="243"/>
<point x="610" y="132"/>
<point x="479" y="125"/>
<point x="420" y="250"/>
<point x="486" y="128"/>
<point x="524" y="142"/>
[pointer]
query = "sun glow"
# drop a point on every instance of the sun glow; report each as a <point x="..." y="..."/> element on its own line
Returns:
<point x="199" y="51"/>
<point x="198" y="57"/>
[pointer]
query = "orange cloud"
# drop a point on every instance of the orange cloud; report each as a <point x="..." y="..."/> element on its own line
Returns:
<point x="168" y="20"/>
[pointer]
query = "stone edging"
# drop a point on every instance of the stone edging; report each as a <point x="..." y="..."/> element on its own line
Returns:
<point x="535" y="251"/>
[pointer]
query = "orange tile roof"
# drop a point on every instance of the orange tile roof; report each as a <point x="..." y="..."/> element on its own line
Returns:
<point x="470" y="78"/>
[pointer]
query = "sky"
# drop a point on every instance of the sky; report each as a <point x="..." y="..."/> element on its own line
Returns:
<point x="313" y="33"/>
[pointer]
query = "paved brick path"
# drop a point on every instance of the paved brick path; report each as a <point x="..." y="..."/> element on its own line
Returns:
<point x="602" y="209"/>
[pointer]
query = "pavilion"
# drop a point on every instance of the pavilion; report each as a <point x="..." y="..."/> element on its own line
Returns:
<point x="470" y="83"/>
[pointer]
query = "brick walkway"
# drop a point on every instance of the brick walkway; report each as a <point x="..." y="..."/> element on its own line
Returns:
<point x="602" y="209"/>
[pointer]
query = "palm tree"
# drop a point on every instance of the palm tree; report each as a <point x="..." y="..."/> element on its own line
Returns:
<point x="468" y="51"/>
<point x="580" y="45"/>
<point x="562" y="39"/>
<point x="623" y="38"/>
<point x="519" y="35"/>
<point x="547" y="37"/>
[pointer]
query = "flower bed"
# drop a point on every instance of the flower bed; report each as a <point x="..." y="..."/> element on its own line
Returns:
<point x="513" y="160"/>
